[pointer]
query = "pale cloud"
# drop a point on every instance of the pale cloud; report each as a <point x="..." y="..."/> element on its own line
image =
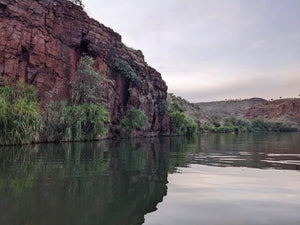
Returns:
<point x="265" y="44"/>
<point x="213" y="49"/>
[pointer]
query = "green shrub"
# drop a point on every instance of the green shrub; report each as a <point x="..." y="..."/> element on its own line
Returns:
<point x="173" y="106"/>
<point x="239" y="125"/>
<point x="261" y="124"/>
<point x="64" y="122"/>
<point x="124" y="68"/>
<point x="134" y="119"/>
<point x="180" y="124"/>
<point x="84" y="119"/>
<point x="87" y="85"/>
<point x="190" y="126"/>
<point x="162" y="107"/>
<point x="19" y="114"/>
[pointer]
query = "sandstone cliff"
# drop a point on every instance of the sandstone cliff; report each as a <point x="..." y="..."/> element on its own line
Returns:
<point x="282" y="110"/>
<point x="42" y="42"/>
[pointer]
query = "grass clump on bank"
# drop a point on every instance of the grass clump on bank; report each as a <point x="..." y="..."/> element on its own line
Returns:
<point x="20" y="119"/>
<point x="66" y="122"/>
<point x="83" y="118"/>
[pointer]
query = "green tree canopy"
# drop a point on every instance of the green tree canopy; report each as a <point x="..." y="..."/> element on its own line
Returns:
<point x="87" y="85"/>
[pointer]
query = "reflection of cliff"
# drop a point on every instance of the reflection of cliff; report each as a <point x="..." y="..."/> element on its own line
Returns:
<point x="108" y="183"/>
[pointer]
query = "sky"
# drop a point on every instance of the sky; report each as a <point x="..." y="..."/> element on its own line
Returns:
<point x="209" y="50"/>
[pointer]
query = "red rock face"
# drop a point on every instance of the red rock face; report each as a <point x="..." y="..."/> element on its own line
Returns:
<point x="41" y="43"/>
<point x="275" y="109"/>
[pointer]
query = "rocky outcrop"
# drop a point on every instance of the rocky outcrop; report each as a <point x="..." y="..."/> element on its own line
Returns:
<point x="277" y="108"/>
<point x="42" y="42"/>
<point x="283" y="110"/>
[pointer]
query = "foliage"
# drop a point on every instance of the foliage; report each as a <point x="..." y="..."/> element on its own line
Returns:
<point x="64" y="122"/>
<point x="238" y="125"/>
<point x="124" y="68"/>
<point x="19" y="114"/>
<point x="162" y="107"/>
<point x="173" y="106"/>
<point x="87" y="85"/>
<point x="180" y="123"/>
<point x="134" y="119"/>
<point x="215" y="121"/>
<point x="261" y="124"/>
<point x="84" y="119"/>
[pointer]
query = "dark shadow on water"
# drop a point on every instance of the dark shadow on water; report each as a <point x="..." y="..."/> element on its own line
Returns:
<point x="111" y="182"/>
<point x="118" y="182"/>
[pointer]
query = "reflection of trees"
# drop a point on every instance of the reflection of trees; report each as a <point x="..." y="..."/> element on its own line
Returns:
<point x="181" y="150"/>
<point x="112" y="182"/>
<point x="247" y="150"/>
<point x="115" y="182"/>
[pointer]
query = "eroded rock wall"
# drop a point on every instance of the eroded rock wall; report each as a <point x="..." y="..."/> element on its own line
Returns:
<point x="275" y="109"/>
<point x="282" y="110"/>
<point x="42" y="41"/>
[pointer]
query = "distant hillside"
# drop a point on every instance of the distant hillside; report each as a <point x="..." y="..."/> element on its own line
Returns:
<point x="282" y="110"/>
<point x="228" y="108"/>
<point x="286" y="111"/>
<point x="190" y="109"/>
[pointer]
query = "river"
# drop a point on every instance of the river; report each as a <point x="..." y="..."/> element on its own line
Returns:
<point x="228" y="179"/>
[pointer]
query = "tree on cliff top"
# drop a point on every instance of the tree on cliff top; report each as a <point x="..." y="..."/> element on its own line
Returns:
<point x="87" y="85"/>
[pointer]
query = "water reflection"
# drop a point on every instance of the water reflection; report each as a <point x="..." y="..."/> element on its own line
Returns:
<point x="119" y="182"/>
<point x="227" y="179"/>
<point x="110" y="182"/>
<point x="269" y="150"/>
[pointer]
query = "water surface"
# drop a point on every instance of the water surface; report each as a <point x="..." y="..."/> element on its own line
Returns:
<point x="210" y="179"/>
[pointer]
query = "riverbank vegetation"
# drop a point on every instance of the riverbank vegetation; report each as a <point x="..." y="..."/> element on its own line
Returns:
<point x="20" y="119"/>
<point x="221" y="122"/>
<point x="83" y="118"/>
<point x="66" y="122"/>
<point x="180" y="123"/>
<point x="239" y="125"/>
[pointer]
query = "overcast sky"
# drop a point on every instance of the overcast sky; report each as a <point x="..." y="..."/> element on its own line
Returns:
<point x="213" y="49"/>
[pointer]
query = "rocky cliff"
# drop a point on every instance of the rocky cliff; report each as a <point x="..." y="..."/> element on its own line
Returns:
<point x="282" y="110"/>
<point x="42" y="42"/>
